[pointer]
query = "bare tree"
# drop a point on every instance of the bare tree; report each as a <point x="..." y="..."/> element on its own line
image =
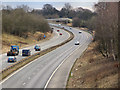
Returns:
<point x="68" y="6"/>
<point x="107" y="28"/>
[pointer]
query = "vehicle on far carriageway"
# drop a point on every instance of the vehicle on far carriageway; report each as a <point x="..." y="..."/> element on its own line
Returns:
<point x="60" y="33"/>
<point x="26" y="52"/>
<point x="70" y="28"/>
<point x="37" y="48"/>
<point x="14" y="50"/>
<point x="58" y="30"/>
<point x="12" y="59"/>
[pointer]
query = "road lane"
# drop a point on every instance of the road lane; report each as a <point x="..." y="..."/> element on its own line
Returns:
<point x="37" y="74"/>
<point x="53" y="41"/>
<point x="60" y="77"/>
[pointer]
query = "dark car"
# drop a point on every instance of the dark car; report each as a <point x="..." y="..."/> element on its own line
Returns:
<point x="37" y="48"/>
<point x="63" y="28"/>
<point x="60" y="33"/>
<point x="26" y="52"/>
<point x="58" y="30"/>
<point x="70" y="28"/>
<point x="80" y="32"/>
<point x="12" y="59"/>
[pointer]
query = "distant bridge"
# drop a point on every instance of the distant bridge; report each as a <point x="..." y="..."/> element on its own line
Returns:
<point x="65" y="20"/>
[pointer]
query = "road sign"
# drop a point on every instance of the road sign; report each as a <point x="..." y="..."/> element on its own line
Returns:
<point x="44" y="36"/>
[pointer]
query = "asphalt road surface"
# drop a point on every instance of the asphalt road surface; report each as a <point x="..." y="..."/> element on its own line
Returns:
<point x="56" y="39"/>
<point x="51" y="69"/>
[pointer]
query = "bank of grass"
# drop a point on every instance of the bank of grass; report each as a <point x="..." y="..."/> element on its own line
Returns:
<point x="8" y="40"/>
<point x="92" y="70"/>
<point x="69" y="24"/>
<point x="27" y="60"/>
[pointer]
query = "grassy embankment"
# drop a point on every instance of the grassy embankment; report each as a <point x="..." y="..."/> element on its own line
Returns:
<point x="92" y="70"/>
<point x="8" y="40"/>
<point x="22" y="28"/>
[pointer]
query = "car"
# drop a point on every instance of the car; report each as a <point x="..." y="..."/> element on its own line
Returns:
<point x="37" y="48"/>
<point x="12" y="59"/>
<point x="59" y="24"/>
<point x="70" y="28"/>
<point x="63" y="28"/>
<point x="60" y="33"/>
<point x="77" y="43"/>
<point x="26" y="52"/>
<point x="58" y="30"/>
<point x="80" y="32"/>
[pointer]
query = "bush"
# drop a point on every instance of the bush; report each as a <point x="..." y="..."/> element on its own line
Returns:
<point x="18" y="22"/>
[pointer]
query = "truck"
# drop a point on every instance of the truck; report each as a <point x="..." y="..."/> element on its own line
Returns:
<point x="14" y="50"/>
<point x="26" y="52"/>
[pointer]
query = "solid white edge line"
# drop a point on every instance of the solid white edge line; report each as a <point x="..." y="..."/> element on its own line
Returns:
<point x="58" y="68"/>
<point x="17" y="71"/>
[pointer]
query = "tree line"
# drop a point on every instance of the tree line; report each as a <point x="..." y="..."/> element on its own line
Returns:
<point x="106" y="27"/>
<point x="20" y="21"/>
<point x="81" y="17"/>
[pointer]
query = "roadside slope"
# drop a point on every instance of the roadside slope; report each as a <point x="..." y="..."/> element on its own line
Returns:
<point x="92" y="70"/>
<point x="8" y="40"/>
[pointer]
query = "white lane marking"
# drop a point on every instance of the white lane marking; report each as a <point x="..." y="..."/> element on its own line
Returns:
<point x="18" y="70"/>
<point x="57" y="69"/>
<point x="59" y="66"/>
<point x="24" y="48"/>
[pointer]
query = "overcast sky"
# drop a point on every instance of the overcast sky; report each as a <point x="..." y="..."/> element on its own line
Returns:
<point x="38" y="4"/>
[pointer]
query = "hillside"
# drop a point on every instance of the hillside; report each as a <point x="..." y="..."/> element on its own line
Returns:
<point x="92" y="70"/>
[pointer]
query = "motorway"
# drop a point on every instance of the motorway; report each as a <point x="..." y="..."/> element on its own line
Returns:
<point x="51" y="69"/>
<point x="56" y="39"/>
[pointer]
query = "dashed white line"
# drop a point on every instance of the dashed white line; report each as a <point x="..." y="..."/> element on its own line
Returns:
<point x="58" y="68"/>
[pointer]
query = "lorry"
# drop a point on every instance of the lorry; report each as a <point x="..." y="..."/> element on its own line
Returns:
<point x="14" y="50"/>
